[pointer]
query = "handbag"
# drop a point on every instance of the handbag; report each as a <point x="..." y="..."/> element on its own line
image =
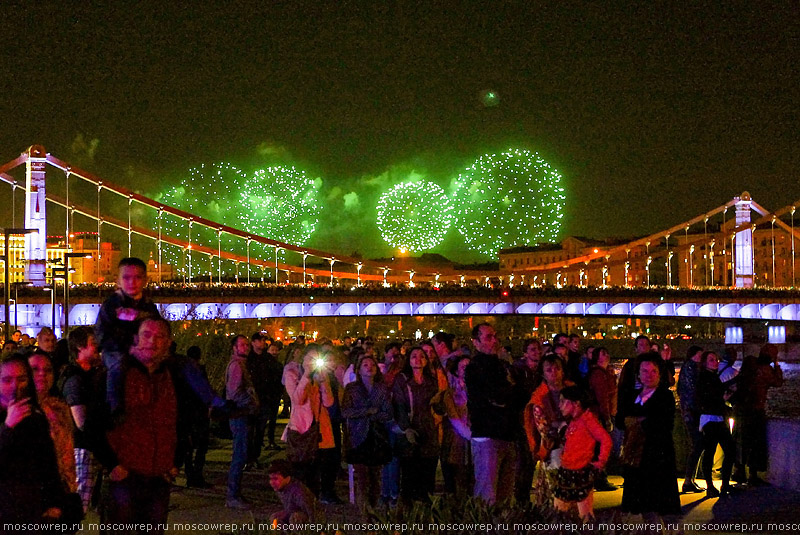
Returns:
<point x="302" y="447"/>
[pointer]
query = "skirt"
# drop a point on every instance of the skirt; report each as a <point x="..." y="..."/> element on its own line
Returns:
<point x="574" y="485"/>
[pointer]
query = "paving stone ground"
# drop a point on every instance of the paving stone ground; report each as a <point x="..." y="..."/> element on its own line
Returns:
<point x="765" y="509"/>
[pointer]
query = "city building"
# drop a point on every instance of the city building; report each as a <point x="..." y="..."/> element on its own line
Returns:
<point x="686" y="259"/>
<point x="100" y="264"/>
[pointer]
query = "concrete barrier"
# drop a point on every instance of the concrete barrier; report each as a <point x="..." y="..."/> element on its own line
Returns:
<point x="783" y="437"/>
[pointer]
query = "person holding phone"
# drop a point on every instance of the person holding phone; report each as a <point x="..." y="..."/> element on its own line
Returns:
<point x="30" y="484"/>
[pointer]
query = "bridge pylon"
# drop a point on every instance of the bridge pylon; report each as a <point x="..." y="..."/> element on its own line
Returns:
<point x="744" y="242"/>
<point x="36" y="217"/>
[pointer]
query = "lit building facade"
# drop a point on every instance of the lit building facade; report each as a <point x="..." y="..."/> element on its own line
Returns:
<point x="99" y="266"/>
<point x="689" y="260"/>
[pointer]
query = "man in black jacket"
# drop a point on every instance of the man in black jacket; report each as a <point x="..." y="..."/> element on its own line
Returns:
<point x="493" y="401"/>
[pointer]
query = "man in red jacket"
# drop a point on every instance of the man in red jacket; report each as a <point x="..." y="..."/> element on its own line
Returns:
<point x="145" y="441"/>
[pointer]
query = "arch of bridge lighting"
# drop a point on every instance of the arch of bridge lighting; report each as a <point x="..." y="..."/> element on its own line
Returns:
<point x="575" y="308"/>
<point x="348" y="309"/>
<point x="211" y="225"/>
<point x="707" y="311"/>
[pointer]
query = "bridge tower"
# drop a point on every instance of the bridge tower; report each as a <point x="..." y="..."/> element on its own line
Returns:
<point x="744" y="243"/>
<point x="35" y="217"/>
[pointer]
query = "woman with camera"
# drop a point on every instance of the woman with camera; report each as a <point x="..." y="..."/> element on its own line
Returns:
<point x="309" y="435"/>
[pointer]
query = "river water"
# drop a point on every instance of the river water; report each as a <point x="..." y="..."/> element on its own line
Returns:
<point x="784" y="401"/>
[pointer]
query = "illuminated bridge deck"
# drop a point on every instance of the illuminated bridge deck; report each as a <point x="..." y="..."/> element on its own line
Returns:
<point x="725" y="306"/>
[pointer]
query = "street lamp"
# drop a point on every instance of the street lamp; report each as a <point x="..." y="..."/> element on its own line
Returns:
<point x="67" y="271"/>
<point x="7" y="232"/>
<point x="57" y="272"/>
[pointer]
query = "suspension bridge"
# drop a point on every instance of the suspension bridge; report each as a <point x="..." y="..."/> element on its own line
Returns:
<point x="737" y="245"/>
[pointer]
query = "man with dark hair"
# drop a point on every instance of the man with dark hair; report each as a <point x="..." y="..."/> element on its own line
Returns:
<point x="494" y="402"/>
<point x="266" y="373"/>
<point x="146" y="440"/>
<point x="46" y="341"/>
<point x="527" y="377"/>
<point x="687" y="393"/>
<point x="83" y="385"/>
<point x="443" y="345"/>
<point x="299" y="503"/>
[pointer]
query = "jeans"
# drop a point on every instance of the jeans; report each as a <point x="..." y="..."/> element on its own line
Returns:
<point x="390" y="479"/>
<point x="139" y="500"/>
<point x="239" y="430"/>
<point x="494" y="469"/>
<point x="390" y="475"/>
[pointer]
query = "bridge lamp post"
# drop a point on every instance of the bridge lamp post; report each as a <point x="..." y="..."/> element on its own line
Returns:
<point x="669" y="269"/>
<point x="385" y="271"/>
<point x="57" y="272"/>
<point x="332" y="261"/>
<point x="52" y="290"/>
<point x="276" y="264"/>
<point x="711" y="260"/>
<point x="67" y="271"/>
<point x="359" y="266"/>
<point x="7" y="233"/>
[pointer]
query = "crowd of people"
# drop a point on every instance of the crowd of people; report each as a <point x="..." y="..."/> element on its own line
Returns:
<point x="117" y="404"/>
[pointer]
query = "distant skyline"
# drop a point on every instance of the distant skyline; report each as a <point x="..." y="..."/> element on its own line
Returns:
<point x="651" y="113"/>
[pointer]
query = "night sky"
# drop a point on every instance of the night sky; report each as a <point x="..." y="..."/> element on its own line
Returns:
<point x="652" y="112"/>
